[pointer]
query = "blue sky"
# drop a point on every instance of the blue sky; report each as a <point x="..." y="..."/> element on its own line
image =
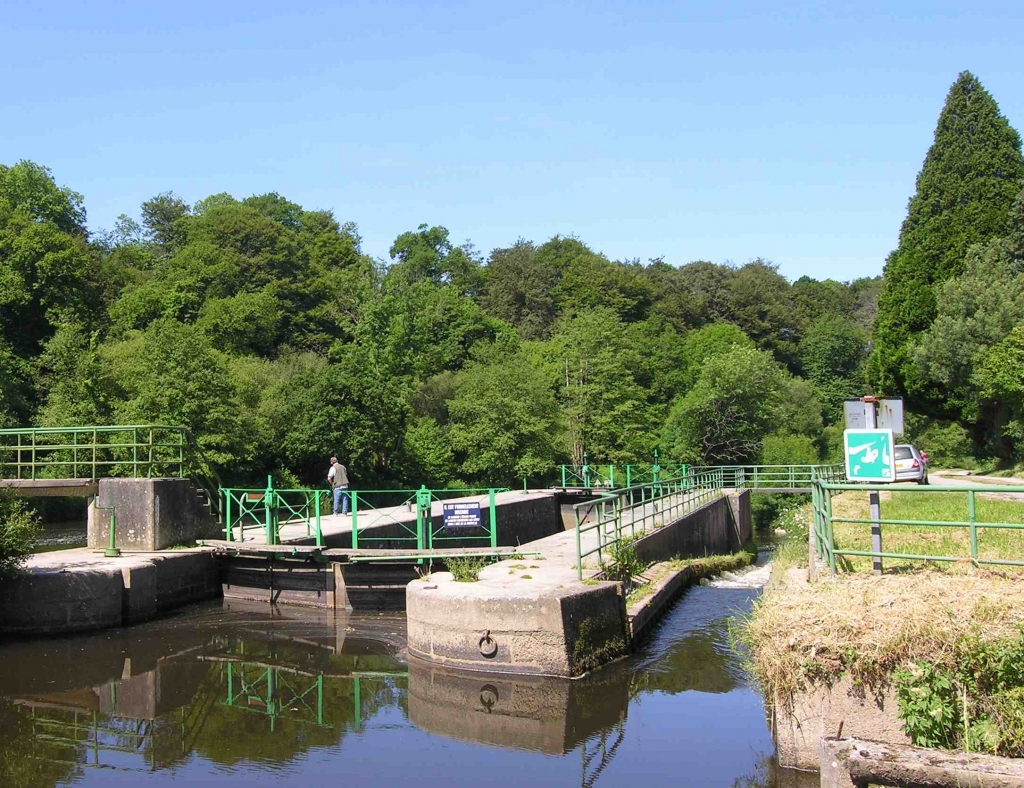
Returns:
<point x="721" y="131"/>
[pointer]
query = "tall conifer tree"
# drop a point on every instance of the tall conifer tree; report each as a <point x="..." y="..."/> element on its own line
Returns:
<point x="970" y="178"/>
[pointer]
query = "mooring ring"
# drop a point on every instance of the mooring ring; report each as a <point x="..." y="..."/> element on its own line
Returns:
<point x="488" y="646"/>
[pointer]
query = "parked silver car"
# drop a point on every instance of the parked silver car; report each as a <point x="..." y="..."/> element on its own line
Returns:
<point x="911" y="466"/>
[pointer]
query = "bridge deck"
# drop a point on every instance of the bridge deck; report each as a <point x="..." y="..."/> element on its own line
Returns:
<point x="51" y="487"/>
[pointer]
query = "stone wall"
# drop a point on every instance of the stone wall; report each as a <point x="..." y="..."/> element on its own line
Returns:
<point x="150" y="514"/>
<point x="80" y="598"/>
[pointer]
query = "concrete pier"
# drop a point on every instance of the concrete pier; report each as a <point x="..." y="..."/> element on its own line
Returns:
<point x="535" y="616"/>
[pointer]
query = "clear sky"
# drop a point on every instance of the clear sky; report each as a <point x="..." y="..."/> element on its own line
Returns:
<point x="721" y="131"/>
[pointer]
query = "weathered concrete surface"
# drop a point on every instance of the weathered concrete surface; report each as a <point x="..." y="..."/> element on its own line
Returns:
<point x="716" y="528"/>
<point x="534" y="616"/>
<point x="79" y="590"/>
<point x="150" y="514"/>
<point x="536" y="713"/>
<point x="847" y="763"/>
<point x="818" y="712"/>
<point x="539" y="628"/>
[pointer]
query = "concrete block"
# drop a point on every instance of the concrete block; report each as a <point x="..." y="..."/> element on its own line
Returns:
<point x="563" y="632"/>
<point x="150" y="514"/>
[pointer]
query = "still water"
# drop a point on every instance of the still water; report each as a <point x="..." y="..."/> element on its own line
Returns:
<point x="232" y="694"/>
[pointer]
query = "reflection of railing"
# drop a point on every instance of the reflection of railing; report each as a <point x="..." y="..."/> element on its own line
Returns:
<point x="270" y="690"/>
<point x="630" y="511"/>
<point x="595" y="759"/>
<point x="1001" y="552"/>
<point x="95" y="452"/>
<point x="89" y="736"/>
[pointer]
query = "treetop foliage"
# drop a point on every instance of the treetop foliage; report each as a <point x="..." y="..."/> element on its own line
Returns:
<point x="267" y="330"/>
<point x="971" y="176"/>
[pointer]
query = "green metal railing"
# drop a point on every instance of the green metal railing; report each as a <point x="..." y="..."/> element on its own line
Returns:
<point x="425" y="530"/>
<point x="269" y="509"/>
<point x="633" y="511"/>
<point x="587" y="477"/>
<point x="831" y="553"/>
<point x="775" y="477"/>
<point x="410" y="512"/>
<point x="95" y="452"/>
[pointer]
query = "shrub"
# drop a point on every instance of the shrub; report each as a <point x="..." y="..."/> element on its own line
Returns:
<point x="465" y="569"/>
<point x="947" y="443"/>
<point x="18" y="528"/>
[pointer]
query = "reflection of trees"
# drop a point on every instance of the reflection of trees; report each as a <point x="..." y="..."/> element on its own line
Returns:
<point x="699" y="661"/>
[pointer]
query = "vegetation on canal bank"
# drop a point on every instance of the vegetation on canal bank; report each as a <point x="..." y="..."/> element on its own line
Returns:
<point x="18" y="529"/>
<point x="947" y="639"/>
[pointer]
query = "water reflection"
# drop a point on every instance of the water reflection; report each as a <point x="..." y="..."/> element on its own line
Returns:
<point x="229" y="691"/>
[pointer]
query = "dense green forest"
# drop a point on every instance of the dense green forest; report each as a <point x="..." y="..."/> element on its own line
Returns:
<point x="265" y="328"/>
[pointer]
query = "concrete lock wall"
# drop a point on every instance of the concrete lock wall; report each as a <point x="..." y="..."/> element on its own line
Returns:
<point x="150" y="514"/>
<point x="819" y="711"/>
<point x="552" y="632"/>
<point x="719" y="527"/>
<point x="88" y="597"/>
<point x="519" y="522"/>
<point x="563" y="627"/>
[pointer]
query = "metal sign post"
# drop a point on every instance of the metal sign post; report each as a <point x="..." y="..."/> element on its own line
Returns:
<point x="870" y="455"/>
<point x="875" y="505"/>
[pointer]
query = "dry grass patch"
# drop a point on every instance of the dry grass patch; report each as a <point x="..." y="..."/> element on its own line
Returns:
<point x="865" y="626"/>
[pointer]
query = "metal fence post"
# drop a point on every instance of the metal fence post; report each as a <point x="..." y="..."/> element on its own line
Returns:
<point x="229" y="527"/>
<point x="971" y="517"/>
<point x="316" y="509"/>
<point x="269" y="527"/>
<point x="874" y="501"/>
<point x="494" y="521"/>
<point x="355" y="519"/>
<point x="424" y="527"/>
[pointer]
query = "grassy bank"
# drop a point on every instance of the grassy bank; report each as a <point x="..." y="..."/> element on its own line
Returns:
<point x="948" y="639"/>
<point x="707" y="566"/>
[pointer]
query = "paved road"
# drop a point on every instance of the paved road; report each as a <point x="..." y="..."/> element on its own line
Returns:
<point x="956" y="479"/>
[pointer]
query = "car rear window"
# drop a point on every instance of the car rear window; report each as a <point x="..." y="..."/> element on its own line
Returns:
<point x="904" y="453"/>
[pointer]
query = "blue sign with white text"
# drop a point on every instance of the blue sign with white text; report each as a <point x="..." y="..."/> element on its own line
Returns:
<point x="461" y="514"/>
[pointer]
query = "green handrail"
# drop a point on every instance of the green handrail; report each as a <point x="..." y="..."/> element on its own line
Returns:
<point x="828" y="551"/>
<point x="630" y="511"/>
<point x="100" y="451"/>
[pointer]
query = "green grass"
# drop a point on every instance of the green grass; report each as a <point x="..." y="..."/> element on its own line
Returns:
<point x="927" y="540"/>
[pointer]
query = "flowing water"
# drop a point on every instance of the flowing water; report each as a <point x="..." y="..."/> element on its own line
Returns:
<point x="232" y="694"/>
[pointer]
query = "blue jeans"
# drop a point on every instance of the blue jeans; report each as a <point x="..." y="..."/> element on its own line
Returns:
<point x="338" y="495"/>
